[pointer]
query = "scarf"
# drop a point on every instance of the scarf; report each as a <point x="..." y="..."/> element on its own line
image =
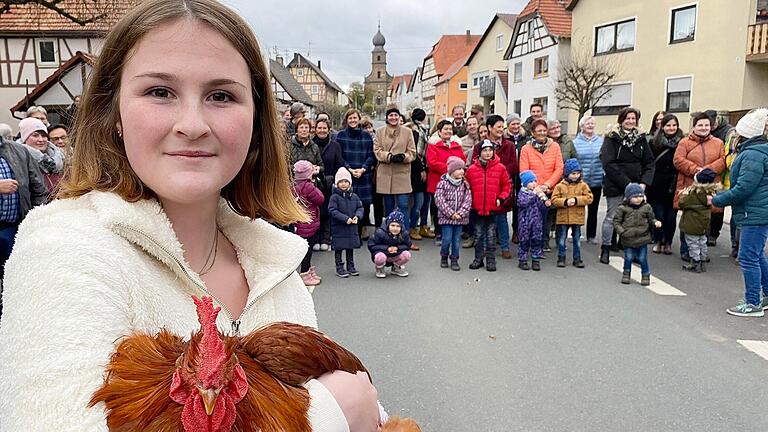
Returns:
<point x="662" y="141"/>
<point x="51" y="161"/>
<point x="629" y="138"/>
<point x="454" y="181"/>
<point x="321" y="142"/>
<point x="541" y="147"/>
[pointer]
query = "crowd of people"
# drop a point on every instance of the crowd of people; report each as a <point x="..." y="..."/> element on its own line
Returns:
<point x="477" y="182"/>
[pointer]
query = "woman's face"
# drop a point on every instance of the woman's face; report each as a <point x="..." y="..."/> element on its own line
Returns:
<point x="630" y="122"/>
<point x="670" y="128"/>
<point x="658" y="119"/>
<point x="446" y="132"/>
<point x="555" y="131"/>
<point x="483" y="131"/>
<point x="393" y="119"/>
<point x="353" y="120"/>
<point x="303" y="131"/>
<point x="321" y="130"/>
<point x="40" y="116"/>
<point x="540" y="133"/>
<point x="702" y="127"/>
<point x="38" y="140"/>
<point x="186" y="111"/>
<point x="589" y="127"/>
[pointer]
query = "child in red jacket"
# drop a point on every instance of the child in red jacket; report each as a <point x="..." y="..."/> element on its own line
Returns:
<point x="312" y="198"/>
<point x="489" y="181"/>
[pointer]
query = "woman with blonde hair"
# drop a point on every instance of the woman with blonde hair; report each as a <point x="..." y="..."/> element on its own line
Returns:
<point x="178" y="167"/>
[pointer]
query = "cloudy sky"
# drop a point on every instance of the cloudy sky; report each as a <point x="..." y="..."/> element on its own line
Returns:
<point x="339" y="32"/>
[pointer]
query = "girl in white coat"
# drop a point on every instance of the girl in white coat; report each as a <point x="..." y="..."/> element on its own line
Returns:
<point x="178" y="161"/>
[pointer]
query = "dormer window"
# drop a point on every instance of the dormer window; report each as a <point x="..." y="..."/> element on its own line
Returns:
<point x="47" y="54"/>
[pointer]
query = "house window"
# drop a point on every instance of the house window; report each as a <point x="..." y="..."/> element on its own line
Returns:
<point x="619" y="96"/>
<point x="499" y="42"/>
<point x="462" y="86"/>
<point x="378" y="74"/>
<point x="518" y="106"/>
<point x="315" y="89"/>
<point x="518" y="72"/>
<point x="477" y="78"/>
<point x="531" y="28"/>
<point x="679" y="94"/>
<point x="378" y="58"/>
<point x="299" y="72"/>
<point x="541" y="67"/>
<point x="617" y="37"/>
<point x="543" y="102"/>
<point x="683" y="24"/>
<point x="46" y="53"/>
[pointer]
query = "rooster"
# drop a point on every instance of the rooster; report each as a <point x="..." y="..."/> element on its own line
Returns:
<point x="217" y="383"/>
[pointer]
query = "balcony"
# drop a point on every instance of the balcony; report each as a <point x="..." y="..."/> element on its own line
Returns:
<point x="757" y="43"/>
<point x="488" y="87"/>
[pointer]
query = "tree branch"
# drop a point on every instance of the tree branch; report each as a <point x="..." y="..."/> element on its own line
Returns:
<point x="5" y="6"/>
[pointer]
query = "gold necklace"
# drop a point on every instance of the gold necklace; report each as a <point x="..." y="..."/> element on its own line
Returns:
<point x="213" y="252"/>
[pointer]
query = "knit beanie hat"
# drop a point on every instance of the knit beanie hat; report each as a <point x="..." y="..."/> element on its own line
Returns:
<point x="513" y="118"/>
<point x="705" y="176"/>
<point x="526" y="177"/>
<point x="392" y="109"/>
<point x="297" y="107"/>
<point x="30" y="125"/>
<point x="454" y="163"/>
<point x="633" y="190"/>
<point x="396" y="217"/>
<point x="571" y="165"/>
<point x="487" y="144"/>
<point x="342" y="174"/>
<point x="753" y="124"/>
<point x="303" y="170"/>
<point x="419" y="115"/>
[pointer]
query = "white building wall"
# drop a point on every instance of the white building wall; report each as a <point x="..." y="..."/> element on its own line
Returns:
<point x="529" y="88"/>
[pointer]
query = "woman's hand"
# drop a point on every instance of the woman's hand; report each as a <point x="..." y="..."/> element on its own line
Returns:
<point x="356" y="397"/>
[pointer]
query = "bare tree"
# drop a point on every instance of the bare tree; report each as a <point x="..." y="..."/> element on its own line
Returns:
<point x="584" y="79"/>
<point x="81" y="12"/>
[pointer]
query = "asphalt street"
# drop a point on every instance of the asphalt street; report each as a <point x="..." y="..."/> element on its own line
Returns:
<point x="557" y="350"/>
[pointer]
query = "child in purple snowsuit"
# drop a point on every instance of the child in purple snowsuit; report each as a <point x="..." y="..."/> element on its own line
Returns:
<point x="531" y="202"/>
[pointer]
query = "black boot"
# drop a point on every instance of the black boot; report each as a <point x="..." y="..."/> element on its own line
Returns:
<point x="476" y="264"/>
<point x="693" y="266"/>
<point x="490" y="265"/>
<point x="605" y="254"/>
<point x="535" y="265"/>
<point x="702" y="267"/>
<point x="561" y="261"/>
<point x="443" y="261"/>
<point x="455" y="264"/>
<point x="523" y="265"/>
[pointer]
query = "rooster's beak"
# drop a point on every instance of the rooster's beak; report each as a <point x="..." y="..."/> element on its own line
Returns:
<point x="209" y="399"/>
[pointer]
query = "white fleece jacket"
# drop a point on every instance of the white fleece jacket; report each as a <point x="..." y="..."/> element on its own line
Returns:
<point x="85" y="272"/>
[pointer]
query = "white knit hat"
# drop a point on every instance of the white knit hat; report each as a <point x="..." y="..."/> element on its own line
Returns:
<point x="753" y="124"/>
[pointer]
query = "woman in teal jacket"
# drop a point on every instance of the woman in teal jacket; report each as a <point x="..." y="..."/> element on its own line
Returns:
<point x="748" y="196"/>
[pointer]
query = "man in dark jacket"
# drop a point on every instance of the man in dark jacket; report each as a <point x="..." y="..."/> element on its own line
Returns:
<point x="627" y="158"/>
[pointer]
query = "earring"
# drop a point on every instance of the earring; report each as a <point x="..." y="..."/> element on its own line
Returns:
<point x="120" y="133"/>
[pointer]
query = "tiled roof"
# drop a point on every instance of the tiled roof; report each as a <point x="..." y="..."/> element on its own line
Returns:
<point x="503" y="80"/>
<point x="289" y="83"/>
<point x="453" y="69"/>
<point x="394" y="83"/>
<point x="79" y="57"/>
<point x="451" y="48"/>
<point x="32" y="17"/>
<point x="553" y="12"/>
<point x="300" y="59"/>
<point x="508" y="19"/>
<point x="407" y="80"/>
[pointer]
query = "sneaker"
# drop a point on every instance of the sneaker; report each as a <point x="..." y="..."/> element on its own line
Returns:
<point x="468" y="243"/>
<point x="744" y="309"/>
<point x="506" y="254"/>
<point x="578" y="263"/>
<point x="476" y="264"/>
<point x="380" y="273"/>
<point x="546" y="248"/>
<point x="645" y="280"/>
<point x="341" y="271"/>
<point x="764" y="302"/>
<point x="561" y="261"/>
<point x="352" y="270"/>
<point x="523" y="265"/>
<point x="685" y="257"/>
<point x="711" y="242"/>
<point x="625" y="278"/>
<point x="325" y="247"/>
<point x="490" y="266"/>
<point x="399" y="271"/>
<point x="438" y="241"/>
<point x="316" y="247"/>
<point x="657" y="248"/>
<point x="605" y="255"/>
<point x="592" y="241"/>
<point x="535" y="265"/>
<point x="414" y="234"/>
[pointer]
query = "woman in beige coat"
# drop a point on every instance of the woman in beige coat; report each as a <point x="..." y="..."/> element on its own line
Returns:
<point x="395" y="150"/>
<point x="695" y="152"/>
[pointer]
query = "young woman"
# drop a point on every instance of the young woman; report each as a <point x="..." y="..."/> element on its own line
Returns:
<point x="178" y="165"/>
<point x="661" y="192"/>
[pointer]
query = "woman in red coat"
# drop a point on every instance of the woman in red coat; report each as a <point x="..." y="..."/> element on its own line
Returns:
<point x="490" y="184"/>
<point x="437" y="163"/>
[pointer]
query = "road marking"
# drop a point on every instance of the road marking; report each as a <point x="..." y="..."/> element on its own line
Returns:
<point x="657" y="285"/>
<point x="758" y="347"/>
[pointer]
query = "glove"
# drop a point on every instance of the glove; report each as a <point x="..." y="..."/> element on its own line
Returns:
<point x="397" y="158"/>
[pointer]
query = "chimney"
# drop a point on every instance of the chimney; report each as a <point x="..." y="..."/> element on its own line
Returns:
<point x="318" y="64"/>
<point x="279" y="60"/>
<point x="469" y="38"/>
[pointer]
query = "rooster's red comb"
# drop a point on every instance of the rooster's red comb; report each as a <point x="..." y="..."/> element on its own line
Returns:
<point x="212" y="352"/>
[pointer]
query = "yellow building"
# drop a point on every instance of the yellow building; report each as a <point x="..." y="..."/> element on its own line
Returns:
<point x="451" y="90"/>
<point x="679" y="56"/>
